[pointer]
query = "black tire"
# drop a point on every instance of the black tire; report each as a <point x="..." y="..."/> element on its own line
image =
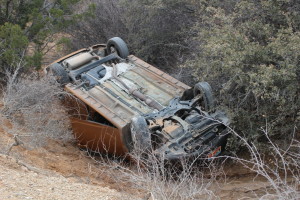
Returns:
<point x="119" y="45"/>
<point x="205" y="90"/>
<point x="140" y="135"/>
<point x="60" y="74"/>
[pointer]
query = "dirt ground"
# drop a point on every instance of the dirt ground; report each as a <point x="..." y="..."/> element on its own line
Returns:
<point x="62" y="171"/>
<point x="18" y="181"/>
<point x="55" y="171"/>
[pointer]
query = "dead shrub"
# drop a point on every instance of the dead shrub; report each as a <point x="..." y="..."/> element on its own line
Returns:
<point x="163" y="180"/>
<point x="33" y="107"/>
<point x="155" y="178"/>
<point x="279" y="167"/>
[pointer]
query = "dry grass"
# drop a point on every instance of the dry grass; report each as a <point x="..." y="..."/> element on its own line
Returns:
<point x="280" y="167"/>
<point x="157" y="179"/>
<point x="33" y="107"/>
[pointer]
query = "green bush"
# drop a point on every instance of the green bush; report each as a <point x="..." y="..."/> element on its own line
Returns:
<point x="34" y="22"/>
<point x="250" y="55"/>
<point x="12" y="46"/>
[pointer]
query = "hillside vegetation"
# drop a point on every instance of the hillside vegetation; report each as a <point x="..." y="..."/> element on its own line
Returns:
<point x="248" y="50"/>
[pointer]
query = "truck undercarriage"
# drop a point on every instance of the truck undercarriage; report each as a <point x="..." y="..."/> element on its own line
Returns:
<point x="145" y="108"/>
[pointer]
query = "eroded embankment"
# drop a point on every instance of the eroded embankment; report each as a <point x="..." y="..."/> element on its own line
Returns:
<point x="61" y="171"/>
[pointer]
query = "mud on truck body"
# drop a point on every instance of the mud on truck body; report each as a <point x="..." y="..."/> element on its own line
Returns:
<point x="131" y="105"/>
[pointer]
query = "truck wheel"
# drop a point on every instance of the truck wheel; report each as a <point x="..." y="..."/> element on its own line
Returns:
<point x="60" y="74"/>
<point x="118" y="45"/>
<point x="140" y="135"/>
<point x="205" y="90"/>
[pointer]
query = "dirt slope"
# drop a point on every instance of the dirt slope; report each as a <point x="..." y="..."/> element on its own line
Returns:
<point x="61" y="171"/>
<point x="19" y="182"/>
<point x="56" y="171"/>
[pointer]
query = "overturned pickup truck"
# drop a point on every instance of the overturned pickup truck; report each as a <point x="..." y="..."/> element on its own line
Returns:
<point x="130" y="105"/>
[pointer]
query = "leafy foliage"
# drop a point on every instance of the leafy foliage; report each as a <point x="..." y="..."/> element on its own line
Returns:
<point x="34" y="22"/>
<point x="12" y="46"/>
<point x="252" y="57"/>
